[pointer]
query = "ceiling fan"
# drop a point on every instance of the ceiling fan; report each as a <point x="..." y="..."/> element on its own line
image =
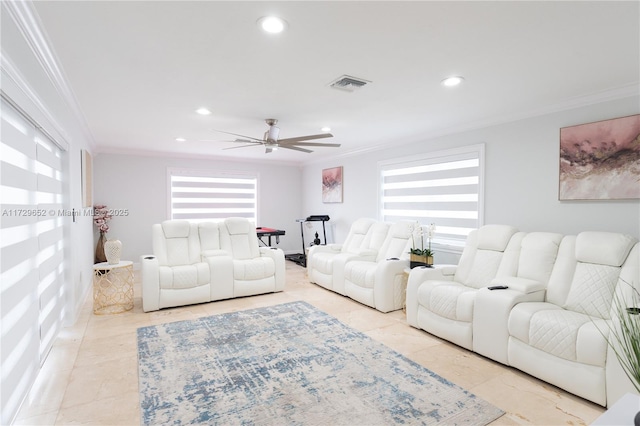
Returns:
<point x="272" y="143"/>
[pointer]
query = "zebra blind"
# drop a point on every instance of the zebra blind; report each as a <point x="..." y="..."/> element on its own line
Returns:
<point x="444" y="188"/>
<point x="32" y="265"/>
<point x="210" y="196"/>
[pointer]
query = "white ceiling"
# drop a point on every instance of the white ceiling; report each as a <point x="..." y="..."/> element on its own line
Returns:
<point x="140" y="69"/>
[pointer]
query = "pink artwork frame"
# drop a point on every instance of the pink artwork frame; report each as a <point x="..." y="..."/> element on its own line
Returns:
<point x="600" y="160"/>
<point x="332" y="185"/>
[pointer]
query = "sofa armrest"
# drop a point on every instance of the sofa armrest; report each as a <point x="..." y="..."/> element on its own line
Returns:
<point x="491" y="315"/>
<point x="150" y="277"/>
<point x="278" y="259"/>
<point x="390" y="282"/>
<point x="521" y="285"/>
<point x="416" y="277"/>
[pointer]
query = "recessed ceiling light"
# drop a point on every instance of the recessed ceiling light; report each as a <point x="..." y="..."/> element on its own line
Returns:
<point x="181" y="140"/>
<point x="272" y="24"/>
<point x="452" y="81"/>
<point x="203" y="111"/>
<point x="326" y="129"/>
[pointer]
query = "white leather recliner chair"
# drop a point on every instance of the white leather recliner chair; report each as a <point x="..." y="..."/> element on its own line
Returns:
<point x="561" y="340"/>
<point x="380" y="284"/>
<point x="177" y="275"/>
<point x="325" y="263"/>
<point x="441" y="300"/>
<point x="256" y="269"/>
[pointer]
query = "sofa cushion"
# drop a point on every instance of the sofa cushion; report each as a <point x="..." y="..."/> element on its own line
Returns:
<point x="185" y="276"/>
<point x="592" y="289"/>
<point x="604" y="248"/>
<point x="361" y="273"/>
<point x="538" y="254"/>
<point x="484" y="268"/>
<point x="253" y="269"/>
<point x="177" y="251"/>
<point x="448" y="299"/>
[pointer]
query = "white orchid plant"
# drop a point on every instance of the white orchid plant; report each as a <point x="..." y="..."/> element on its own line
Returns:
<point x="418" y="235"/>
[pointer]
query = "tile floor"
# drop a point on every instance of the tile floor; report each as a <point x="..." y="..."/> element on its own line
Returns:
<point x="90" y="376"/>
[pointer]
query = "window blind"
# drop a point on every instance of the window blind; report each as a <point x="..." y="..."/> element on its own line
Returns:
<point x="32" y="263"/>
<point x="203" y="195"/>
<point x="444" y="188"/>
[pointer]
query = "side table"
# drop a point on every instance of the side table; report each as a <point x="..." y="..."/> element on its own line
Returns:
<point x="112" y="287"/>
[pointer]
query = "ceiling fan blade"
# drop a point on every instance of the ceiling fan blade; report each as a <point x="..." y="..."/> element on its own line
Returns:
<point x="241" y="146"/>
<point x="235" y="134"/>
<point x="295" y="148"/>
<point x="304" y="138"/>
<point x="330" y="145"/>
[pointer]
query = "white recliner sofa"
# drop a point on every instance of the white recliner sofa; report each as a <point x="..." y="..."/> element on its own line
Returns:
<point x="552" y="319"/>
<point x="198" y="263"/>
<point x="380" y="284"/>
<point x="562" y="339"/>
<point x="441" y="300"/>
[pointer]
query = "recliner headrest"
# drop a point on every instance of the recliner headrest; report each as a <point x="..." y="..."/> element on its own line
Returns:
<point x="495" y="237"/>
<point x="238" y="225"/>
<point x="362" y="225"/>
<point x="176" y="228"/>
<point x="402" y="229"/>
<point x="603" y="248"/>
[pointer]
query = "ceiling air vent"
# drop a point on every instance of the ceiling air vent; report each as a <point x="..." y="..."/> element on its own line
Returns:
<point x="348" y="83"/>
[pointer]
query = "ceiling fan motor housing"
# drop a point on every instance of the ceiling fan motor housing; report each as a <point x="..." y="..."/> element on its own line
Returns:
<point x="272" y="134"/>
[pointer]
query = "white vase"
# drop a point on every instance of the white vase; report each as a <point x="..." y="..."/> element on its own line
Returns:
<point x="113" y="250"/>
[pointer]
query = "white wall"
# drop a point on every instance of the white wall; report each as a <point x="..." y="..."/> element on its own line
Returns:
<point x="521" y="176"/>
<point x="139" y="184"/>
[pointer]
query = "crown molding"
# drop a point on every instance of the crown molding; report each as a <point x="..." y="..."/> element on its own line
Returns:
<point x="616" y="93"/>
<point x="28" y="23"/>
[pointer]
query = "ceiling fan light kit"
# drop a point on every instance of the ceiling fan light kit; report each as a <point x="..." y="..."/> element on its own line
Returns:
<point x="271" y="140"/>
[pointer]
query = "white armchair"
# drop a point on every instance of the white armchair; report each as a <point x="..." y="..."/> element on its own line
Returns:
<point x="561" y="339"/>
<point x="441" y="300"/>
<point x="176" y="275"/>
<point x="325" y="261"/>
<point x="381" y="283"/>
<point x="256" y="269"/>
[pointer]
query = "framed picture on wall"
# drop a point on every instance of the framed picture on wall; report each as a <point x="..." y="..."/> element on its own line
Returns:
<point x="332" y="185"/>
<point x="601" y="160"/>
<point x="87" y="173"/>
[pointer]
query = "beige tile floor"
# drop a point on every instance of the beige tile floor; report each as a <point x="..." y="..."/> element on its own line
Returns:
<point x="90" y="376"/>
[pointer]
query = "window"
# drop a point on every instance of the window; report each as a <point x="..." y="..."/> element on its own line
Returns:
<point x="32" y="245"/>
<point x="444" y="188"/>
<point x="208" y="196"/>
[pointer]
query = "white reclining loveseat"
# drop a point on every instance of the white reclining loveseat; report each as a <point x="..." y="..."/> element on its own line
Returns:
<point x="552" y="313"/>
<point x="202" y="262"/>
<point x="369" y="266"/>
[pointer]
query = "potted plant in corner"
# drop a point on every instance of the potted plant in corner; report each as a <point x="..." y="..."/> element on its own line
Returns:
<point x="624" y="335"/>
<point x="421" y="256"/>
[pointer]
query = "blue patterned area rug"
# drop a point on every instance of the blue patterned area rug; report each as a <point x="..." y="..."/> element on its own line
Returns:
<point x="289" y="364"/>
